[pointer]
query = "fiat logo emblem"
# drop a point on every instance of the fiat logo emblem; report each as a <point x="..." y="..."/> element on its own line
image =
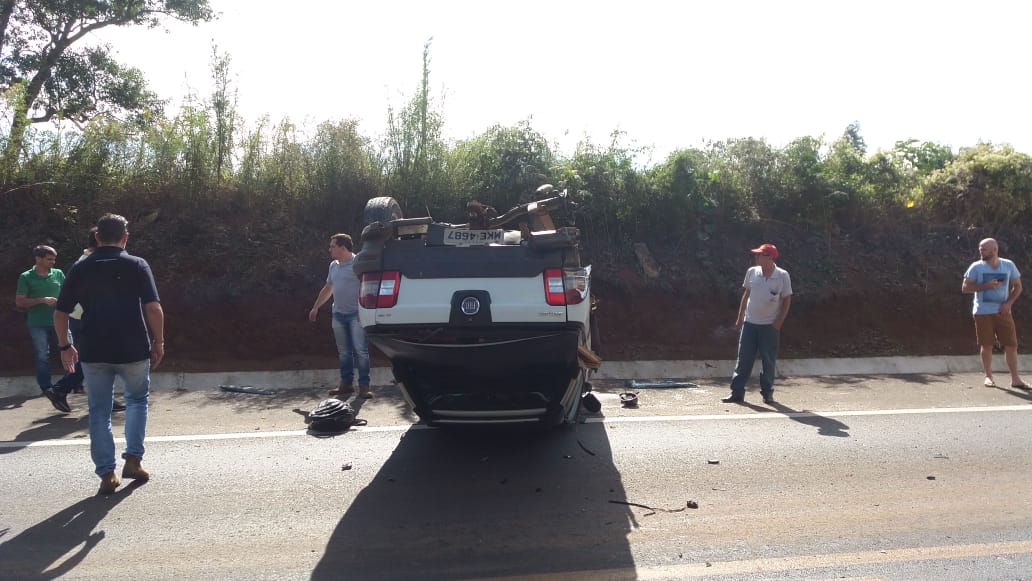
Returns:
<point x="470" y="306"/>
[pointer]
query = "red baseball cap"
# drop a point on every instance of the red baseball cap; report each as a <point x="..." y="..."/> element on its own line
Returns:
<point x="767" y="249"/>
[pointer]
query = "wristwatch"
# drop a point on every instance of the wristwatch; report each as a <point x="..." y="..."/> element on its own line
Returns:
<point x="65" y="348"/>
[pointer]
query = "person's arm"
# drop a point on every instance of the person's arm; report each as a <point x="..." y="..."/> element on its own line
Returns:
<point x="969" y="286"/>
<point x="24" y="302"/>
<point x="786" y="303"/>
<point x="324" y="295"/>
<point x="741" y="308"/>
<point x="1012" y="295"/>
<point x="69" y="354"/>
<point x="155" y="317"/>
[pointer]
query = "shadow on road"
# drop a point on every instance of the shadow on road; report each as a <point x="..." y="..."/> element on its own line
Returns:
<point x="1015" y="391"/>
<point x="34" y="553"/>
<point x="825" y="426"/>
<point x="852" y="380"/>
<point x="450" y="505"/>
<point x="54" y="426"/>
<point x="12" y="402"/>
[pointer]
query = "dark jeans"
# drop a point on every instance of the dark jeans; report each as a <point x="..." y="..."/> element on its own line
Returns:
<point x="42" y="339"/>
<point x="756" y="339"/>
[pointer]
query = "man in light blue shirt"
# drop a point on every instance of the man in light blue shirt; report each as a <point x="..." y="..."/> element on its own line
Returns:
<point x="996" y="284"/>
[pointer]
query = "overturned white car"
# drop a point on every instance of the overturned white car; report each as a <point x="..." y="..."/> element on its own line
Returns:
<point x="484" y="322"/>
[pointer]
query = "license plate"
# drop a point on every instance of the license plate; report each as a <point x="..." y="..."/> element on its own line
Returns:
<point x="459" y="237"/>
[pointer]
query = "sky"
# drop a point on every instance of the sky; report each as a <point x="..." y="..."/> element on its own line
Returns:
<point x="667" y="74"/>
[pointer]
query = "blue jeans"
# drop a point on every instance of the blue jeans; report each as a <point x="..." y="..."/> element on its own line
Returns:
<point x="756" y="339"/>
<point x="100" y="389"/>
<point x="351" y="345"/>
<point x="42" y="338"/>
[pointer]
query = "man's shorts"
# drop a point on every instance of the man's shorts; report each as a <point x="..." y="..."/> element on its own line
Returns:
<point x="997" y="327"/>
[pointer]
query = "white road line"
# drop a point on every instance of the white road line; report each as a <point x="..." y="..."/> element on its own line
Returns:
<point x="84" y="441"/>
<point x="768" y="566"/>
<point x="772" y="415"/>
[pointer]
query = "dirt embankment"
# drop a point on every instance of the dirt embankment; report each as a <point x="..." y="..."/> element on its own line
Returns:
<point x="237" y="296"/>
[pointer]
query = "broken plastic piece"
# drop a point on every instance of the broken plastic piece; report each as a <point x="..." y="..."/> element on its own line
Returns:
<point x="247" y="389"/>
<point x="635" y="384"/>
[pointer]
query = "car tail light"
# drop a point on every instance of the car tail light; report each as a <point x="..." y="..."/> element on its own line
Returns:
<point x="576" y="281"/>
<point x="379" y="289"/>
<point x="568" y="286"/>
<point x="555" y="293"/>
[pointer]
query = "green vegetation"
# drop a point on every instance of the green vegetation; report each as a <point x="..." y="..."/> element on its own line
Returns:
<point x="206" y="157"/>
<point x="45" y="77"/>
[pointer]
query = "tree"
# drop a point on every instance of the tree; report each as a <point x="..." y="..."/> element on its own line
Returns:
<point x="986" y="186"/>
<point x="54" y="81"/>
<point x="501" y="164"/>
<point x="223" y="104"/>
<point x="415" y="149"/>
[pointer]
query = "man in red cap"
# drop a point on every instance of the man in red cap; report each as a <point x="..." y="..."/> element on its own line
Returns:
<point x="766" y="297"/>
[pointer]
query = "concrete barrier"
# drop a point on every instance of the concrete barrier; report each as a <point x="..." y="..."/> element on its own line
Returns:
<point x="802" y="367"/>
<point x="320" y="378"/>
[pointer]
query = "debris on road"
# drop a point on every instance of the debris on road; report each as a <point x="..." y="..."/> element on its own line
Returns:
<point x="346" y="466"/>
<point x="583" y="447"/>
<point x="661" y="383"/>
<point x="653" y="509"/>
<point x="591" y="403"/>
<point x="247" y="389"/>
<point x="629" y="399"/>
<point x="693" y="504"/>
<point x="712" y="461"/>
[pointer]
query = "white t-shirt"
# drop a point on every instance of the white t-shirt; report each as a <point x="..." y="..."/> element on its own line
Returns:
<point x="77" y="311"/>
<point x="765" y="294"/>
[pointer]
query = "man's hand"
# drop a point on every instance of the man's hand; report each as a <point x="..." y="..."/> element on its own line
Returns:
<point x="157" y="353"/>
<point x="313" y="314"/>
<point x="69" y="357"/>
<point x="993" y="284"/>
<point x="50" y="301"/>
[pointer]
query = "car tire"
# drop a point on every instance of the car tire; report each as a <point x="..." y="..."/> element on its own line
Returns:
<point x="381" y="209"/>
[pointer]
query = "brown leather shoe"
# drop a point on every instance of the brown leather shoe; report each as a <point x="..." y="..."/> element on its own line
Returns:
<point x="363" y="391"/>
<point x="133" y="470"/>
<point x="342" y="388"/>
<point x="109" y="483"/>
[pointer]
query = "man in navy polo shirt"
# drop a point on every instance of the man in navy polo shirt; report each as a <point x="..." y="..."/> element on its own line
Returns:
<point x="122" y="335"/>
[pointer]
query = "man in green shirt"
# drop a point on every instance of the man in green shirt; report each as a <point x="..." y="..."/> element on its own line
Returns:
<point x="38" y="288"/>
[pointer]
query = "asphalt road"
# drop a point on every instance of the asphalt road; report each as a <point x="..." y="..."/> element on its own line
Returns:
<point x="874" y="477"/>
